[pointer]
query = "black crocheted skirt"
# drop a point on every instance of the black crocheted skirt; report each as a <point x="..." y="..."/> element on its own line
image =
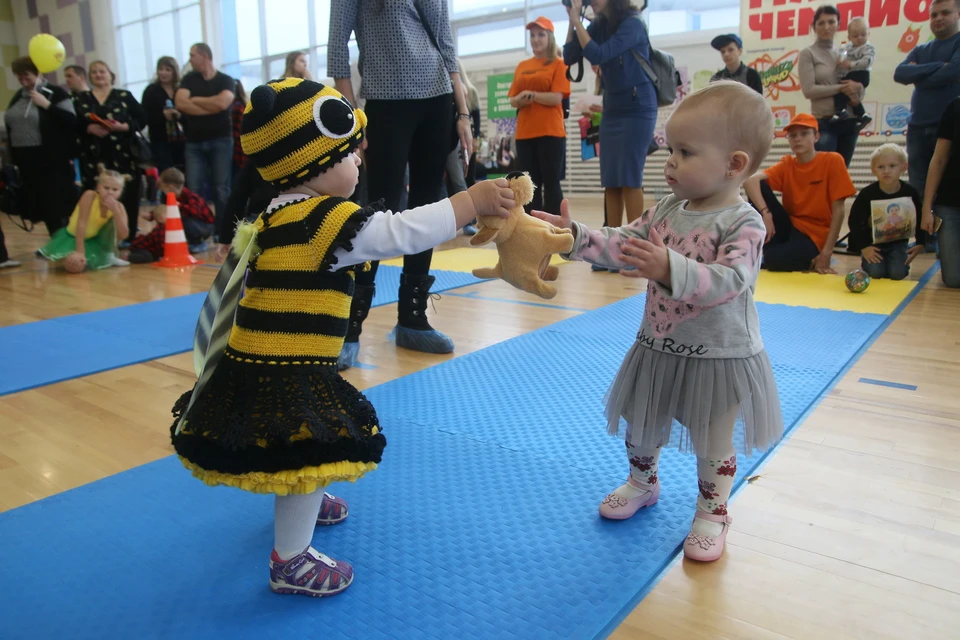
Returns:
<point x="278" y="429"/>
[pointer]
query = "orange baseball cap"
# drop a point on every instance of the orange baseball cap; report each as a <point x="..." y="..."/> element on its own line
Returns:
<point x="803" y="120"/>
<point x="543" y="23"/>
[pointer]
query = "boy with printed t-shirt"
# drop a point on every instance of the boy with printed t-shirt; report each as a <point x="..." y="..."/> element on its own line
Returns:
<point x="885" y="216"/>
<point x="802" y="231"/>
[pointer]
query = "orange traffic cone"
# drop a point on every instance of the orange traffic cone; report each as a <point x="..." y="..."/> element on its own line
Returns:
<point x="175" y="251"/>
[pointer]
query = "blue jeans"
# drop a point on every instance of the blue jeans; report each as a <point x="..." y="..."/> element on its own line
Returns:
<point x="456" y="182"/>
<point x="167" y="154"/>
<point x="838" y="135"/>
<point x="949" y="238"/>
<point x="788" y="249"/>
<point x="893" y="258"/>
<point x="196" y="231"/>
<point x="211" y="159"/>
<point x="920" y="144"/>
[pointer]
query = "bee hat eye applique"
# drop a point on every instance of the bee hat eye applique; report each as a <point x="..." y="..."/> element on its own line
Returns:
<point x="296" y="129"/>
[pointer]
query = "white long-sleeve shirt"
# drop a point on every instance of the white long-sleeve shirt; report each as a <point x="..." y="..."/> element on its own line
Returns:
<point x="387" y="234"/>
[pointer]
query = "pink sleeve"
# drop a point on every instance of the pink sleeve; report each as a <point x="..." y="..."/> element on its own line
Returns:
<point x="603" y="247"/>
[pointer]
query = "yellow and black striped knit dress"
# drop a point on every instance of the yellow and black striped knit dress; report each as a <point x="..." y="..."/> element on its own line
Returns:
<point x="276" y="416"/>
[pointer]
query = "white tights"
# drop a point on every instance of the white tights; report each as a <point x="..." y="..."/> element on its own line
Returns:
<point x="294" y="520"/>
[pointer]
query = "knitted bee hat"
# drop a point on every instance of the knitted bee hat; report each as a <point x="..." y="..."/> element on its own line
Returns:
<point x="296" y="129"/>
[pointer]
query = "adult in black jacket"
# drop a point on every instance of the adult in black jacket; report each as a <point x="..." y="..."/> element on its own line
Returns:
<point x="41" y="133"/>
<point x="110" y="145"/>
<point x="167" y="141"/>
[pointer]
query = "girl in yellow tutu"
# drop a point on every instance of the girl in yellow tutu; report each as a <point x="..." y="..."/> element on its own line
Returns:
<point x="90" y="238"/>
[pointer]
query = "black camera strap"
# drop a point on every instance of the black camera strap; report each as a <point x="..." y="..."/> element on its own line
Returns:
<point x="583" y="14"/>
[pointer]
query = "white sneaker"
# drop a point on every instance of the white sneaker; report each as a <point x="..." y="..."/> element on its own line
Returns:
<point x="118" y="262"/>
<point x="9" y="264"/>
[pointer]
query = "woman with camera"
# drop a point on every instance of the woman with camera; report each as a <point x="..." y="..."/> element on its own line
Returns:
<point x="616" y="40"/>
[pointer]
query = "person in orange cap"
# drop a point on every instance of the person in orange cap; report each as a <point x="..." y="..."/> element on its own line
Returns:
<point x="803" y="229"/>
<point x="539" y="86"/>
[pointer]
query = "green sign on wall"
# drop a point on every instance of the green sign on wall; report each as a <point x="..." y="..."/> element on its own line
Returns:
<point x="498" y="103"/>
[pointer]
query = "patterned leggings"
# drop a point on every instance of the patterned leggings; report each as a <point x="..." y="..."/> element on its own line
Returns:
<point x="716" y="469"/>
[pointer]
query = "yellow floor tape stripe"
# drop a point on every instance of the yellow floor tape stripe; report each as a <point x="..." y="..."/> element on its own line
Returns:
<point x="793" y="289"/>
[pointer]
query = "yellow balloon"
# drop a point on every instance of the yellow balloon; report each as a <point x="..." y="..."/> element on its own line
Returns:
<point x="46" y="52"/>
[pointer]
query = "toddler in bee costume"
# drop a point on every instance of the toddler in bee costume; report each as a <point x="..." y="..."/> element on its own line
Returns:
<point x="269" y="412"/>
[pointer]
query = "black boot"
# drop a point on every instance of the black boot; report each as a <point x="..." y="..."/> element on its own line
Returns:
<point x="359" y="308"/>
<point x="413" y="331"/>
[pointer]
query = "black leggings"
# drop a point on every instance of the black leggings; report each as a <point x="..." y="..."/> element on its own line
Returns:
<point x="788" y="249"/>
<point x="841" y="100"/>
<point x="402" y="132"/>
<point x="543" y="159"/>
<point x="4" y="256"/>
<point x="49" y="191"/>
<point x="131" y="202"/>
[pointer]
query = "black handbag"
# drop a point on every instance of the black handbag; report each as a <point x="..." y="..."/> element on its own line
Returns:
<point x="12" y="199"/>
<point x="140" y="149"/>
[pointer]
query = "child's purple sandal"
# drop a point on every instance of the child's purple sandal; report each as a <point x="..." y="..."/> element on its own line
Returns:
<point x="333" y="510"/>
<point x="310" y="573"/>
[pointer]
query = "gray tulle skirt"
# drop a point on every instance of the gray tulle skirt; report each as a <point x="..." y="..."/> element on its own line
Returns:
<point x="704" y="395"/>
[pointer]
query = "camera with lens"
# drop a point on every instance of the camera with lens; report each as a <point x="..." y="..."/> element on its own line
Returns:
<point x="566" y="3"/>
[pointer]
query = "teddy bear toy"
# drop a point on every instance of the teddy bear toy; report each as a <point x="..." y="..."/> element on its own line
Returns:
<point x="524" y="244"/>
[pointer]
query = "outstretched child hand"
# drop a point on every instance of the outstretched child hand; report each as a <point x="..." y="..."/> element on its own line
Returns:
<point x="492" y="198"/>
<point x="649" y="257"/>
<point x="561" y="221"/>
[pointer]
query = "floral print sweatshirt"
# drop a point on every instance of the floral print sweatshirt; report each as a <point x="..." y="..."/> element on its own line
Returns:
<point x="707" y="309"/>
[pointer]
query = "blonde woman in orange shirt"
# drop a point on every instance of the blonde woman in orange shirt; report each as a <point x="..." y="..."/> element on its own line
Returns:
<point x="539" y="86"/>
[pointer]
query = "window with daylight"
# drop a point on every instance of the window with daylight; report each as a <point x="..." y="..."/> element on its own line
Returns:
<point x="150" y="29"/>
<point x="259" y="34"/>
<point x="726" y="18"/>
<point x="487" y="37"/>
<point x="682" y="16"/>
<point x="475" y="8"/>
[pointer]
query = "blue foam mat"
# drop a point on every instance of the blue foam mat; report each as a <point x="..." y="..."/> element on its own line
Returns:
<point x="388" y="281"/>
<point x="480" y="523"/>
<point x="49" y="351"/>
